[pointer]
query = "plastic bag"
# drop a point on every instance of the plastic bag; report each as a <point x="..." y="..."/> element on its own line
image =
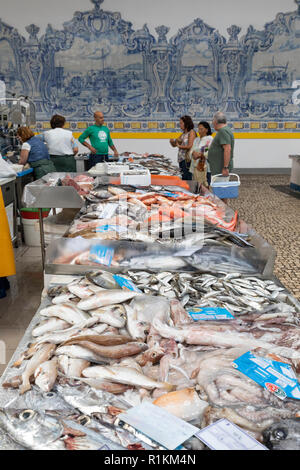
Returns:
<point x="6" y="169"/>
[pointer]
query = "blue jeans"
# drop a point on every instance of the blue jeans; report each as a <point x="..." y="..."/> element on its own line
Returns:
<point x="185" y="171"/>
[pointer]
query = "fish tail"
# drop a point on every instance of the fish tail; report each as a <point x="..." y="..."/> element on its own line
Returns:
<point x="24" y="387"/>
<point x="167" y="386"/>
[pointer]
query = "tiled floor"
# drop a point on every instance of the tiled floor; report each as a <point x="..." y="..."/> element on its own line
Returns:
<point x="273" y="214"/>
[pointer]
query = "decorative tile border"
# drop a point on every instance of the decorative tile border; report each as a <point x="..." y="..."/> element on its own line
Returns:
<point x="167" y="127"/>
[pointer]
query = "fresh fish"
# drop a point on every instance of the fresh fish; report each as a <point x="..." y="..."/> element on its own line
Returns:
<point x="89" y="401"/>
<point x="184" y="404"/>
<point x="70" y="366"/>
<point x="103" y="279"/>
<point x="52" y="324"/>
<point x="78" y="352"/>
<point x="32" y="429"/>
<point x="68" y="312"/>
<point x="42" y="355"/>
<point x="155" y="262"/>
<point x="125" y="375"/>
<point x="45" y="375"/>
<point x="106" y="297"/>
<point x="105" y="385"/>
<point x="41" y="431"/>
<point x="113" y="352"/>
<point x="137" y="329"/>
<point x="63" y="298"/>
<point x="283" y="435"/>
<point x="114" y="315"/>
<point x="102" y="340"/>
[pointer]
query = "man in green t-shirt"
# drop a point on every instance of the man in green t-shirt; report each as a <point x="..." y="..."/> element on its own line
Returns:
<point x="100" y="140"/>
<point x="220" y="153"/>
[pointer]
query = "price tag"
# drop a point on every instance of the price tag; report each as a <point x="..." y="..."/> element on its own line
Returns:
<point x="210" y="313"/>
<point x="160" y="425"/>
<point x="224" y="435"/>
<point x="101" y="254"/>
<point x="111" y="228"/>
<point x="277" y="377"/>
<point x="126" y="284"/>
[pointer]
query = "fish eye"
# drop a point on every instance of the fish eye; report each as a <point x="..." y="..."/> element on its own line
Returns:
<point x="279" y="434"/>
<point x="83" y="420"/>
<point x="26" y="415"/>
<point x="49" y="394"/>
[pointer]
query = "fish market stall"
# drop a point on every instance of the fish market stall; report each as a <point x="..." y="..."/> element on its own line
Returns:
<point x="97" y="354"/>
<point x="160" y="323"/>
<point x="56" y="190"/>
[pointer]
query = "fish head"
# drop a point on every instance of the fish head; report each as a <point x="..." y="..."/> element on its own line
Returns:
<point x="283" y="435"/>
<point x="30" y="428"/>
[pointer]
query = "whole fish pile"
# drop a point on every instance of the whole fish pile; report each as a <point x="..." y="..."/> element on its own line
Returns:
<point x="155" y="163"/>
<point x="100" y="349"/>
<point x="238" y="294"/>
<point x="117" y="214"/>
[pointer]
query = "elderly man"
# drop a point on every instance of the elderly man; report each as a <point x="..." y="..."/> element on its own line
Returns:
<point x="100" y="140"/>
<point x="220" y="153"/>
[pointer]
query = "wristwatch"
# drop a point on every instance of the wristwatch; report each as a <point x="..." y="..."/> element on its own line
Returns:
<point x="225" y="167"/>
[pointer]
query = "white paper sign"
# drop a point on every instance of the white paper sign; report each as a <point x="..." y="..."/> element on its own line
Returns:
<point x="158" y="424"/>
<point x="224" y="435"/>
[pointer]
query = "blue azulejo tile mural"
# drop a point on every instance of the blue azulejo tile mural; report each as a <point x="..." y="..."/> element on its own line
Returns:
<point x="145" y="82"/>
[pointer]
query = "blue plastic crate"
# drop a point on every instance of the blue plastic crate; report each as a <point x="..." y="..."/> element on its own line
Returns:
<point x="225" y="189"/>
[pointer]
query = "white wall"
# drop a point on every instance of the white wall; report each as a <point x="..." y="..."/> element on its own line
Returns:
<point x="175" y="14"/>
<point x="249" y="153"/>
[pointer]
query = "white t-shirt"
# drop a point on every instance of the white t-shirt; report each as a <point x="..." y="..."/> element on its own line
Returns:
<point x="198" y="143"/>
<point x="59" y="141"/>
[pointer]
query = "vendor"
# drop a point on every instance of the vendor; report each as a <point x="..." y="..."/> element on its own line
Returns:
<point x="61" y="145"/>
<point x="7" y="260"/>
<point x="34" y="152"/>
<point x="100" y="140"/>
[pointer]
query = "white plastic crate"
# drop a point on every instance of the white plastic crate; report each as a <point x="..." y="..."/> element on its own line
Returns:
<point x="115" y="168"/>
<point x="137" y="178"/>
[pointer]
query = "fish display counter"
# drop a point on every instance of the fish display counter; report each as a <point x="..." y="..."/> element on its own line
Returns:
<point x="103" y="350"/>
<point x="154" y="336"/>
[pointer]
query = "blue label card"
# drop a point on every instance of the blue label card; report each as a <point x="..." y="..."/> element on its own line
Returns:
<point x="277" y="377"/>
<point x="210" y="313"/>
<point x="111" y="228"/>
<point x="167" y="193"/>
<point x="101" y="254"/>
<point x="126" y="283"/>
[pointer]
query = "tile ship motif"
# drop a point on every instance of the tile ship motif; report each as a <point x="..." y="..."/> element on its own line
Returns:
<point x="144" y="83"/>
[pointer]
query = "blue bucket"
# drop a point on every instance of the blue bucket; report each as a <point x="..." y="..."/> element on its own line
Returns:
<point x="225" y="189"/>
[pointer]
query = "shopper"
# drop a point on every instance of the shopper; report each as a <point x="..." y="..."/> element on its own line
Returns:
<point x="100" y="140"/>
<point x="220" y="153"/>
<point x="7" y="260"/>
<point x="185" y="143"/>
<point x="34" y="152"/>
<point x="61" y="145"/>
<point x="199" y="165"/>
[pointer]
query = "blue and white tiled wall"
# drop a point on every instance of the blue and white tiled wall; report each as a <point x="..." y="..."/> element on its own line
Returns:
<point x="144" y="83"/>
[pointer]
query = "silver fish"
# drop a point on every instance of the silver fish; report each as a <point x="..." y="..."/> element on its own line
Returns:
<point x="283" y="435"/>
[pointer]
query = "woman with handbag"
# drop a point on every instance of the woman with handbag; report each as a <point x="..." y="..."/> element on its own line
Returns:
<point x="185" y="143"/>
<point x="199" y="165"/>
